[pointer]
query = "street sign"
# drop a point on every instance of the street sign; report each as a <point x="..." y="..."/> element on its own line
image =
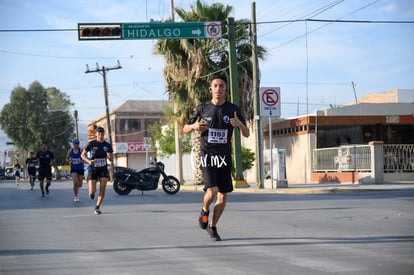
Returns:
<point x="270" y="102"/>
<point x="171" y="30"/>
<point x="152" y="30"/>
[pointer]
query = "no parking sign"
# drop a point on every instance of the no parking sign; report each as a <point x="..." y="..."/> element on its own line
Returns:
<point x="270" y="101"/>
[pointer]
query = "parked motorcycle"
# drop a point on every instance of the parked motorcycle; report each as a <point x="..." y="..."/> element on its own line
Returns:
<point x="126" y="179"/>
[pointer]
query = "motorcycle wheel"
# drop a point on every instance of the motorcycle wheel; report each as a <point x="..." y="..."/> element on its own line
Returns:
<point x="170" y="185"/>
<point x="120" y="188"/>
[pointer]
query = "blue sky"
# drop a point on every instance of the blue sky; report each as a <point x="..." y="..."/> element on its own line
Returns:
<point x="376" y="57"/>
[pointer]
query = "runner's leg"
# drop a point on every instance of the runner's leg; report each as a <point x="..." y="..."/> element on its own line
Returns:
<point x="102" y="189"/>
<point x="219" y="208"/>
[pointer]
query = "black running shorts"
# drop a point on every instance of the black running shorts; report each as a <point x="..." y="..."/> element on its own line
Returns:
<point x="99" y="172"/>
<point x="217" y="172"/>
<point x="45" y="172"/>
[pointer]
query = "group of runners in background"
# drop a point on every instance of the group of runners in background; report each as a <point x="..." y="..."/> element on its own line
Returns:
<point x="95" y="155"/>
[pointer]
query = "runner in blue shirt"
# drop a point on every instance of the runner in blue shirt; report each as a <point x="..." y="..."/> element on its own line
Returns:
<point x="76" y="168"/>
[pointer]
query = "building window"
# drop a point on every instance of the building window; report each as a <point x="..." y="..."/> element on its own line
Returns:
<point x="130" y="125"/>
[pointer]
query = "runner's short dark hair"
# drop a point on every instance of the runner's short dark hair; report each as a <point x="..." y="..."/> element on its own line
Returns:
<point x="220" y="76"/>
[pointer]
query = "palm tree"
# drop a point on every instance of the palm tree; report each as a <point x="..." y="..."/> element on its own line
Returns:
<point x="190" y="62"/>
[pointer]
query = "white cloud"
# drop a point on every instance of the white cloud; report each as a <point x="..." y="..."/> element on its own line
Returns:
<point x="388" y="8"/>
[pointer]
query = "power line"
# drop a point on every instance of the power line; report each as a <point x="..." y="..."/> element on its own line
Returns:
<point x="61" y="57"/>
<point x="38" y="30"/>
<point x="328" y="21"/>
<point x="311" y="14"/>
<point x="335" y="21"/>
<point x="258" y="23"/>
<point x="338" y="20"/>
<point x="361" y="21"/>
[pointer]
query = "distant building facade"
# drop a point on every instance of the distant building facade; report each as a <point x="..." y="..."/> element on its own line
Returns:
<point x="389" y="119"/>
<point x="132" y="143"/>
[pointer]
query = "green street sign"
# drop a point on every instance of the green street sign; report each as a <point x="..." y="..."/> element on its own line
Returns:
<point x="171" y="30"/>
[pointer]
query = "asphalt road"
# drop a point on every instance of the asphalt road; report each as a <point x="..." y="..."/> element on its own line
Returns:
<point x="332" y="233"/>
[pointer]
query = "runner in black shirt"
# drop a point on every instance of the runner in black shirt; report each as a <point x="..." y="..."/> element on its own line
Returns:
<point x="215" y="120"/>
<point x="45" y="159"/>
<point x="31" y="169"/>
<point x="100" y="151"/>
<point x="17" y="167"/>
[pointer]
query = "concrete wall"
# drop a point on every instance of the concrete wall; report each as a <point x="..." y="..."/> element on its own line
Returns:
<point x="369" y="109"/>
<point x="298" y="156"/>
<point x="188" y="167"/>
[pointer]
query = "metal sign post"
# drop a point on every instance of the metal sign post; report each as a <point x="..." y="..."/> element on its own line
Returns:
<point x="270" y="106"/>
<point x="271" y="148"/>
<point x="147" y="145"/>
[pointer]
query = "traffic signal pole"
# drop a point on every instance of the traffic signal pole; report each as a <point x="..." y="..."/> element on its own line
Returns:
<point x="171" y="30"/>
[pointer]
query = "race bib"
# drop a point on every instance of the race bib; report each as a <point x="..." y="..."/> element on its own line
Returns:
<point x="76" y="161"/>
<point x="100" y="162"/>
<point x="217" y="136"/>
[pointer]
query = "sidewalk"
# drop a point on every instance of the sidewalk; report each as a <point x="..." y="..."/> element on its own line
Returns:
<point x="321" y="188"/>
<point x="315" y="188"/>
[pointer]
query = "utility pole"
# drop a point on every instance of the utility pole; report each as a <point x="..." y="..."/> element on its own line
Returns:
<point x="355" y="95"/>
<point x="178" y="153"/>
<point x="256" y="85"/>
<point x="239" y="181"/>
<point x="172" y="10"/>
<point x="102" y="71"/>
<point x="75" y="114"/>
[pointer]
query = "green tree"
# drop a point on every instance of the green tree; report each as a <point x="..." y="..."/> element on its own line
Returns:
<point x="248" y="158"/>
<point x="19" y="118"/>
<point x="165" y="136"/>
<point x="190" y="62"/>
<point x="38" y="114"/>
<point x="60" y="123"/>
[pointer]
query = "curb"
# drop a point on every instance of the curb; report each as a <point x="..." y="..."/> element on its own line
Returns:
<point x="315" y="190"/>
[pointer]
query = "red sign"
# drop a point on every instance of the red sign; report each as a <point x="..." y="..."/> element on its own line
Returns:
<point x="132" y="147"/>
<point x="213" y="29"/>
<point x="136" y="147"/>
<point x="270" y="101"/>
<point x="270" y="97"/>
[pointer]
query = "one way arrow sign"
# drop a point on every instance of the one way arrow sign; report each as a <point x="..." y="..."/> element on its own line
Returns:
<point x="196" y="32"/>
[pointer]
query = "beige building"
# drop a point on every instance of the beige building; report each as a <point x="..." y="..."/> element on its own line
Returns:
<point x="132" y="142"/>
<point x="393" y="96"/>
<point x="390" y="118"/>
